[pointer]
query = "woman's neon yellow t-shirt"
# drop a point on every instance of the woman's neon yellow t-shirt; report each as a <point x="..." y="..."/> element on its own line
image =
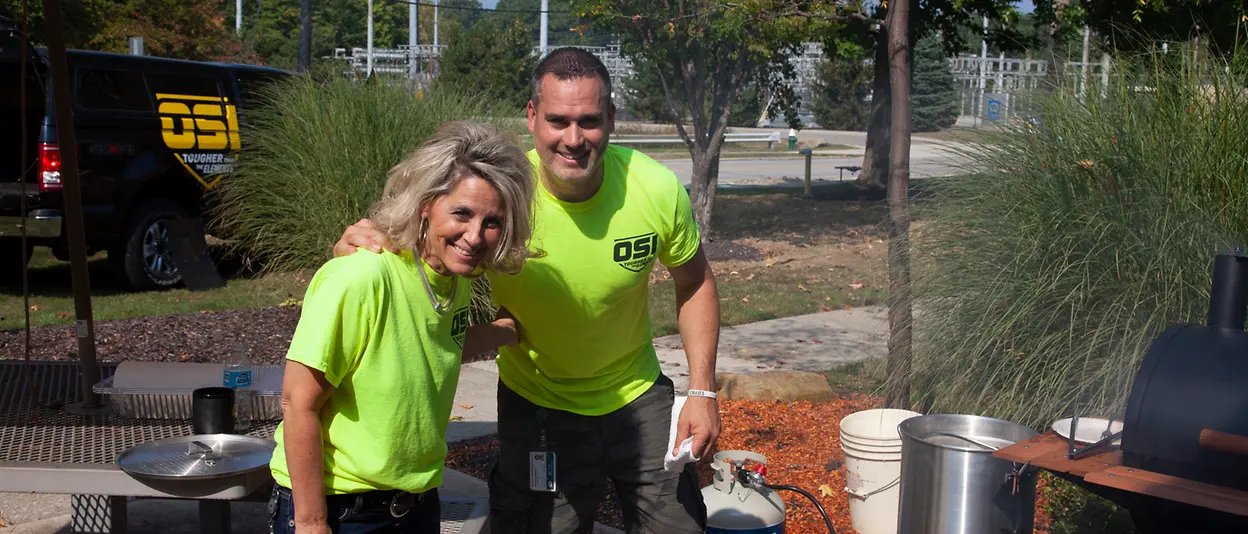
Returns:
<point x="586" y="343"/>
<point x="367" y="323"/>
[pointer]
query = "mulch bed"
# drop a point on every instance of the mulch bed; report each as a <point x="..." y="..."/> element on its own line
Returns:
<point x="202" y="337"/>
<point x="799" y="440"/>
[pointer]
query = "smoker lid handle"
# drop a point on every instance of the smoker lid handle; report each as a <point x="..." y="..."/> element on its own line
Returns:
<point x="1223" y="442"/>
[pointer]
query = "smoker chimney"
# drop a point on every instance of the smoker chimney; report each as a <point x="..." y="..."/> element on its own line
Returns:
<point x="1228" y="296"/>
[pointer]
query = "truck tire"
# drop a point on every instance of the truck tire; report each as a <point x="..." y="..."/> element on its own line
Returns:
<point x="142" y="261"/>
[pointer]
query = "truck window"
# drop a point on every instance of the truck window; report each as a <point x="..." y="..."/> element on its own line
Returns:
<point x="251" y="84"/>
<point x="112" y="90"/>
<point x="183" y="85"/>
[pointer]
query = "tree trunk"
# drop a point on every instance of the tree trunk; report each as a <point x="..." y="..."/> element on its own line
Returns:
<point x="874" y="173"/>
<point x="705" y="181"/>
<point x="899" y="299"/>
<point x="304" y="61"/>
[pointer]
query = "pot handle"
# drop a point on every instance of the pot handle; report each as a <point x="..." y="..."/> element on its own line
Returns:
<point x="863" y="495"/>
<point x="963" y="438"/>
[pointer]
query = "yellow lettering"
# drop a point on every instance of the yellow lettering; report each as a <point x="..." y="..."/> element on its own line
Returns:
<point x="177" y="140"/>
<point x="231" y="120"/>
<point x="212" y="133"/>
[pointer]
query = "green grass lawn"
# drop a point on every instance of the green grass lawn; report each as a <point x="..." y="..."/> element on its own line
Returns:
<point x="52" y="298"/>
<point x="744" y="301"/>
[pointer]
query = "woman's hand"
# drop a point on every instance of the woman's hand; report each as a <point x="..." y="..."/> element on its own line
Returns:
<point x="486" y="338"/>
<point x="362" y="234"/>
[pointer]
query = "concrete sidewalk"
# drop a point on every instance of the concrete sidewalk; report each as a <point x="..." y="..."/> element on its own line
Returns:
<point x="815" y="342"/>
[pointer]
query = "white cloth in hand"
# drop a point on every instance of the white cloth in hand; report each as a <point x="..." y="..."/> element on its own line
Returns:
<point x="676" y="462"/>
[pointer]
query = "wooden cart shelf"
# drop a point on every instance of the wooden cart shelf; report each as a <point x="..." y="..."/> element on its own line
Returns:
<point x="1048" y="451"/>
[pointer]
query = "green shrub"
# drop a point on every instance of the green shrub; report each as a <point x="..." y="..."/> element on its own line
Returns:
<point x="315" y="158"/>
<point x="1071" y="510"/>
<point x="1042" y="279"/>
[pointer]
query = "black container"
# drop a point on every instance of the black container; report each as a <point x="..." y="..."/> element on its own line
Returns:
<point x="1193" y="378"/>
<point x="212" y="410"/>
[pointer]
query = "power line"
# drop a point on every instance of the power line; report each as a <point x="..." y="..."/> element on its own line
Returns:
<point x="441" y="6"/>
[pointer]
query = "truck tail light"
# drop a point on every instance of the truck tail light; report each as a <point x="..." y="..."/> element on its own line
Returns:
<point x="49" y="170"/>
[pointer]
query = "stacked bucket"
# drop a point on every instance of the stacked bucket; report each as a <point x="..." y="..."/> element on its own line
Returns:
<point x="872" y="448"/>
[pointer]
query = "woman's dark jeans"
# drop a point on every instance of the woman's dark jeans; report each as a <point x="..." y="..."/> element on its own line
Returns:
<point x="347" y="516"/>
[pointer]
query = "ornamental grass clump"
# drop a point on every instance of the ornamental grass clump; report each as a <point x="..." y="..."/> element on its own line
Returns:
<point x="1042" y="278"/>
<point x="315" y="157"/>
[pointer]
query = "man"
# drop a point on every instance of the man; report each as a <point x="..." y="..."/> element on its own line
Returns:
<point x="581" y="395"/>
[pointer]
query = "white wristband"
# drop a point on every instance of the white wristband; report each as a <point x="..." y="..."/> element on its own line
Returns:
<point x="701" y="393"/>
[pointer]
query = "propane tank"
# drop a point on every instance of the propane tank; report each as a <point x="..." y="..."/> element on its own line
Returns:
<point x="734" y="506"/>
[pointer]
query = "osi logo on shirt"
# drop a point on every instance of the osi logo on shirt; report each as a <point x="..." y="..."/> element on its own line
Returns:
<point x="202" y="132"/>
<point x="634" y="253"/>
<point x="459" y="326"/>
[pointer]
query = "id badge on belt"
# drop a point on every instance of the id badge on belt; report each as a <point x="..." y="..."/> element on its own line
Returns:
<point x="542" y="462"/>
<point x="542" y="470"/>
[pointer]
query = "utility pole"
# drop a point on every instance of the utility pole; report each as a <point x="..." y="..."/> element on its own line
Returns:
<point x="545" y="25"/>
<point x="413" y="38"/>
<point x="983" y="74"/>
<point x="1083" y="75"/>
<point x="369" y="69"/>
<point x="434" y="60"/>
<point x="305" y="36"/>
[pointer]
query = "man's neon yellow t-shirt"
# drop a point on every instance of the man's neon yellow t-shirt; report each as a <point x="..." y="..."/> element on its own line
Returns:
<point x="586" y="345"/>
<point x="367" y="323"/>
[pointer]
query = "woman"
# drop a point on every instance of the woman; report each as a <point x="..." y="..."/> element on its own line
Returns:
<point x="372" y="368"/>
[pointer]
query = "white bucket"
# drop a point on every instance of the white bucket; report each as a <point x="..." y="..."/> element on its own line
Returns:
<point x="872" y="448"/>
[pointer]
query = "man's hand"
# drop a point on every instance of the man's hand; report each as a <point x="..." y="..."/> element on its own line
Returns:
<point x="313" y="527"/>
<point x="700" y="419"/>
<point x="362" y="234"/>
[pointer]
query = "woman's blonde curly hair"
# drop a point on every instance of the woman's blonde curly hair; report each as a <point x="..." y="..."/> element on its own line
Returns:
<point x="456" y="151"/>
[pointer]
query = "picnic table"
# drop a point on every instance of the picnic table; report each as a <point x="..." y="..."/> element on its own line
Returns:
<point x="46" y="449"/>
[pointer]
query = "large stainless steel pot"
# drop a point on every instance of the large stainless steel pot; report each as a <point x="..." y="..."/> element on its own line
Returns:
<point x="951" y="484"/>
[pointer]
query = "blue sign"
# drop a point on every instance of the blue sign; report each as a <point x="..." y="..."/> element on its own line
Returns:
<point x="994" y="110"/>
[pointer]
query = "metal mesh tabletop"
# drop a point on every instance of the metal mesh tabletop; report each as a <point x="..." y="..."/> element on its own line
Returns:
<point x="44" y="432"/>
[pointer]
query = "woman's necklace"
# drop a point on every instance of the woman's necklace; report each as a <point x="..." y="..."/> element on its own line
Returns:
<point x="440" y="307"/>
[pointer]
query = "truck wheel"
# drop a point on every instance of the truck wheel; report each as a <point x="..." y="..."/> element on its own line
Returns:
<point x="143" y="260"/>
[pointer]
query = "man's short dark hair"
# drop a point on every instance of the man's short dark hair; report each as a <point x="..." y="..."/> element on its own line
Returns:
<point x="571" y="63"/>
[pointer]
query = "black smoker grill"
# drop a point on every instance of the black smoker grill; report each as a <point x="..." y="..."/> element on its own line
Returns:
<point x="1188" y="412"/>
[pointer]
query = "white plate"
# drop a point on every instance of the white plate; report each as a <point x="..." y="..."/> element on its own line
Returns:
<point x="1090" y="429"/>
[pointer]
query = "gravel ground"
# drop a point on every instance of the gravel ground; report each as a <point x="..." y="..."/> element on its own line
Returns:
<point x="202" y="337"/>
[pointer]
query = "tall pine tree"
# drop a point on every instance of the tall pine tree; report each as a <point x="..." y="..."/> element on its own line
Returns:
<point x="934" y="94"/>
<point x="842" y="91"/>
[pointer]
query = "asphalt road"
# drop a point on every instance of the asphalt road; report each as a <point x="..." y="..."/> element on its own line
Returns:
<point x="927" y="158"/>
<point x="923" y="164"/>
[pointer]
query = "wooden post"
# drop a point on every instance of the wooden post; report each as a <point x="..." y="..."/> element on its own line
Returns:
<point x="807" y="152"/>
<point x="72" y="196"/>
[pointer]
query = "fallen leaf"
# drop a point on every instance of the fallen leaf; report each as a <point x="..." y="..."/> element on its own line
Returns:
<point x="63" y="316"/>
<point x="855" y="285"/>
<point x="733" y="272"/>
<point x="827" y="298"/>
<point x="825" y="309"/>
<point x="826" y="490"/>
<point x="745" y="300"/>
<point x="467" y="406"/>
<point x="457" y="418"/>
<point x="847" y="307"/>
<point x="750" y="277"/>
<point x="34" y="307"/>
<point x="802" y="287"/>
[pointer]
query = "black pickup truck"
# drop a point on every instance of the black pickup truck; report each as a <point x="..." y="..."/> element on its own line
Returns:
<point x="153" y="136"/>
